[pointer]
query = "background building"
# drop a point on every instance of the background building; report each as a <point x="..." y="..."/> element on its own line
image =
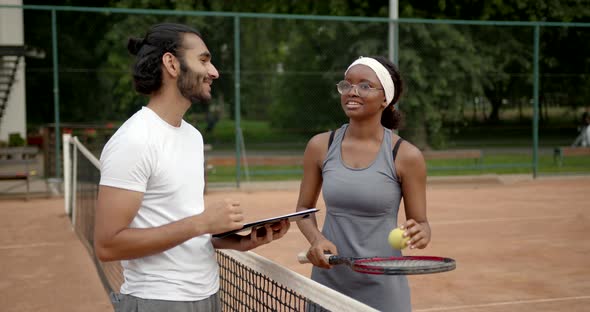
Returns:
<point x="12" y="72"/>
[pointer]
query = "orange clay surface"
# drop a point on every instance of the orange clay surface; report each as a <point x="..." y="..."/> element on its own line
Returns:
<point x="520" y="245"/>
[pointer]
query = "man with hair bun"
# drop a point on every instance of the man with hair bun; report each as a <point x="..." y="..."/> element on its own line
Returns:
<point x="150" y="212"/>
<point x="363" y="169"/>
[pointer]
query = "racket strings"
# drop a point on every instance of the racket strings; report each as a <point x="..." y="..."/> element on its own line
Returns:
<point x="400" y="263"/>
<point x="403" y="266"/>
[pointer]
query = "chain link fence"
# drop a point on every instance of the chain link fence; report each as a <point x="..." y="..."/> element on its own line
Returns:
<point x="469" y="99"/>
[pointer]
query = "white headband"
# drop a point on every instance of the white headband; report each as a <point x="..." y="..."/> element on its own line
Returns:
<point x="382" y="74"/>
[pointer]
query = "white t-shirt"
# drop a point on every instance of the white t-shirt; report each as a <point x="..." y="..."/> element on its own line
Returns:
<point x="166" y="163"/>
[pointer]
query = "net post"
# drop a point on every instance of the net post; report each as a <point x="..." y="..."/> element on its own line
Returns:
<point x="67" y="172"/>
<point x="74" y="181"/>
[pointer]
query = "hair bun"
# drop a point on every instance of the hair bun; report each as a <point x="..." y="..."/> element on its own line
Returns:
<point x="134" y="44"/>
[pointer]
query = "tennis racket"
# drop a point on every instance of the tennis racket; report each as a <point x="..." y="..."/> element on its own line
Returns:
<point x="408" y="265"/>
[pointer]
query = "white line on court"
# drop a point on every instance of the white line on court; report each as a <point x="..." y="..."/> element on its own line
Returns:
<point x="495" y="304"/>
<point x="33" y="245"/>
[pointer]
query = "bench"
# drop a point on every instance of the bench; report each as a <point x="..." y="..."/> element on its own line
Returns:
<point x="454" y="154"/>
<point x="13" y="159"/>
<point x="560" y="152"/>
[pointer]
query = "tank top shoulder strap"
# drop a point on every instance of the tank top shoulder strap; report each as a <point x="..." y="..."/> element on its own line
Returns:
<point x="337" y="134"/>
<point x="331" y="138"/>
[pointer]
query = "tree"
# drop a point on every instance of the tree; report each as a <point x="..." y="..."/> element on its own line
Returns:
<point x="513" y="52"/>
<point x="289" y="67"/>
<point x="80" y="82"/>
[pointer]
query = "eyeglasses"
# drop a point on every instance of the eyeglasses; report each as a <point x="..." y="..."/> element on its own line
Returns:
<point x="362" y="89"/>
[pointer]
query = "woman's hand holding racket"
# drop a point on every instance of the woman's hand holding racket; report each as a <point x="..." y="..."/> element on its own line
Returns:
<point x="418" y="232"/>
<point x="318" y="249"/>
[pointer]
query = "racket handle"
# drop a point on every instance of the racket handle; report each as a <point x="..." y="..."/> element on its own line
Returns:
<point x="302" y="257"/>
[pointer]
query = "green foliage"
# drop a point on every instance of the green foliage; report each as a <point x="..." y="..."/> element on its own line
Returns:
<point x="306" y="97"/>
<point x="563" y="69"/>
<point x="437" y="62"/>
<point x="15" y="139"/>
<point x="289" y="67"/>
<point x="82" y="95"/>
<point x="255" y="133"/>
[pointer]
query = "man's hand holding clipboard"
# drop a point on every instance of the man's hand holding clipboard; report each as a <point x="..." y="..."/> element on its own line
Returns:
<point x="260" y="223"/>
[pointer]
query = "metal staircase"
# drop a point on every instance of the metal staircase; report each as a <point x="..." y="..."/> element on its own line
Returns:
<point x="8" y="67"/>
<point x="10" y="57"/>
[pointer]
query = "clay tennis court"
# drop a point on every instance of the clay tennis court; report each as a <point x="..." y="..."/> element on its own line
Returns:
<point x="520" y="245"/>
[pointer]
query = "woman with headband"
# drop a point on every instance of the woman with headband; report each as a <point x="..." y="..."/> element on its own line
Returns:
<point x="362" y="170"/>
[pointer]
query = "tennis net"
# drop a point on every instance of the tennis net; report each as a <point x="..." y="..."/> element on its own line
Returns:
<point x="248" y="282"/>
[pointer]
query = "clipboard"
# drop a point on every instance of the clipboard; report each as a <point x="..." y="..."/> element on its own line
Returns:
<point x="299" y="215"/>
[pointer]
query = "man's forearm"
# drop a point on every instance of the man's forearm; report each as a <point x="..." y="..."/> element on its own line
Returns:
<point x="132" y="243"/>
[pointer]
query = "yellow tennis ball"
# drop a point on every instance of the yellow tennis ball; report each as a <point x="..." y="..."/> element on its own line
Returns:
<point x="396" y="240"/>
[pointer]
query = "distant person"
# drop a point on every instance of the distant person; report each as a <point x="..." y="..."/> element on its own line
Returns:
<point x="583" y="139"/>
<point x="363" y="169"/>
<point x="151" y="212"/>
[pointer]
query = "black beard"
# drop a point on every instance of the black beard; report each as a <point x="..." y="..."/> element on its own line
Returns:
<point x="190" y="84"/>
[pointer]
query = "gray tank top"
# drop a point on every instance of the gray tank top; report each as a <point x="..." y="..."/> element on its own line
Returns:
<point x="361" y="209"/>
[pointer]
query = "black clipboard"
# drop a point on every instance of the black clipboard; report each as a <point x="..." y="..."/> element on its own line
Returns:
<point x="291" y="217"/>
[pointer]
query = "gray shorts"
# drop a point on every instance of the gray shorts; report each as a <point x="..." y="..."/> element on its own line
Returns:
<point x="128" y="303"/>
